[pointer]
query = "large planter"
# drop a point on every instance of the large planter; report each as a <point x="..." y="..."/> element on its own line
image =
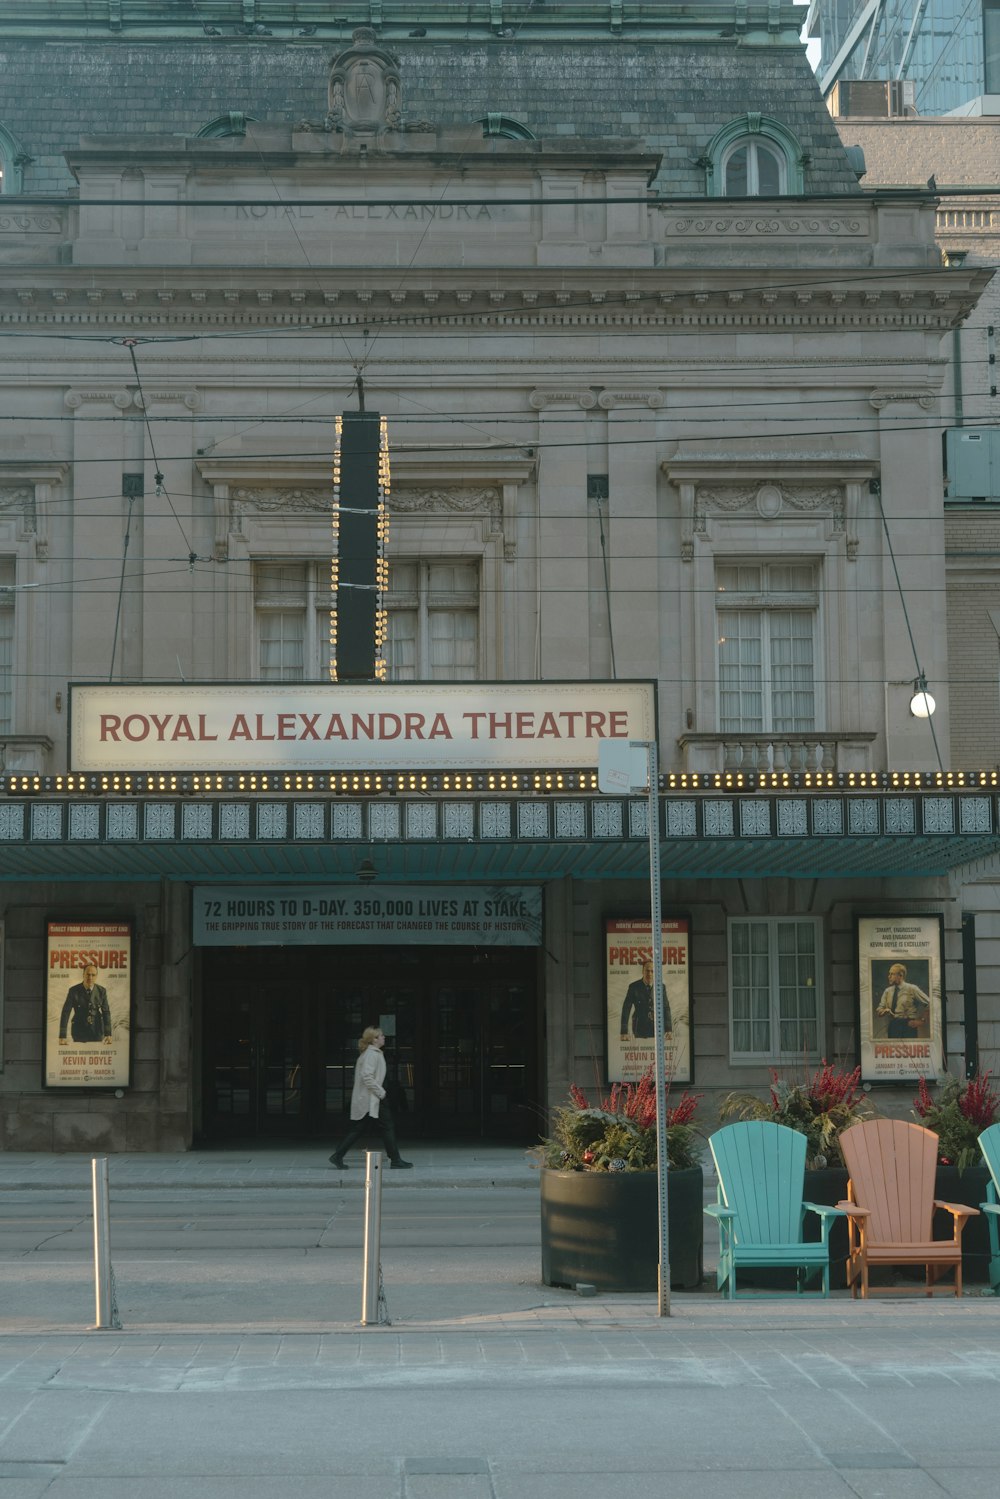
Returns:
<point x="968" y="1187"/>
<point x="601" y="1227"/>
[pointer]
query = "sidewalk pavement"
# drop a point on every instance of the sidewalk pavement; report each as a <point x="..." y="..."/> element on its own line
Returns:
<point x="487" y="1385"/>
<point x="296" y="1166"/>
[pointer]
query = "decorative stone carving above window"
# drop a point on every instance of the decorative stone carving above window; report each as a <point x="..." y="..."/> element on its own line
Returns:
<point x="239" y="502"/>
<point x="26" y="492"/>
<point x="16" y="498"/>
<point x="267" y="501"/>
<point x="806" y="485"/>
<point x="769" y="500"/>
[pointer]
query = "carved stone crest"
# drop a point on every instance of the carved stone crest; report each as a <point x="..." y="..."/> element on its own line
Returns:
<point x="365" y="93"/>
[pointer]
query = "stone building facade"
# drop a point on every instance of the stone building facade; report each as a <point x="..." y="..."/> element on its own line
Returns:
<point x="663" y="387"/>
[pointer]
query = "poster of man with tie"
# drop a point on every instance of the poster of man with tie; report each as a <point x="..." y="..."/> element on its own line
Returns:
<point x="630" y="999"/>
<point x="88" y="1004"/>
<point x="901" y="993"/>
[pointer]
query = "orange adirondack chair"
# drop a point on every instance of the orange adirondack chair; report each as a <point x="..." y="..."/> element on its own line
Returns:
<point x="890" y="1206"/>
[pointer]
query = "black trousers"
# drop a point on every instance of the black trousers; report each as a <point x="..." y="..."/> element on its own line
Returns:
<point x="383" y="1124"/>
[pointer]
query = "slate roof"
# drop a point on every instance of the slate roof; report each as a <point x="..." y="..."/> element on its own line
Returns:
<point x="674" y="94"/>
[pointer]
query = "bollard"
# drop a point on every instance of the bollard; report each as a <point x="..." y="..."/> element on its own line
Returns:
<point x="372" y="1300"/>
<point x="104" y="1275"/>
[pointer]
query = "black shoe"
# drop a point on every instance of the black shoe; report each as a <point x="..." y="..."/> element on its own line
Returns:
<point x="340" y="1165"/>
<point x="401" y="1165"/>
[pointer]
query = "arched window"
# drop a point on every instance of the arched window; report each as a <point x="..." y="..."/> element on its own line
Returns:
<point x="504" y="126"/>
<point x="233" y="123"/>
<point x="751" y="169"/>
<point x="12" y="159"/>
<point x="754" y="157"/>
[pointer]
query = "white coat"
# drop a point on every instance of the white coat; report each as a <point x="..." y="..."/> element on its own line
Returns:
<point x="369" y="1075"/>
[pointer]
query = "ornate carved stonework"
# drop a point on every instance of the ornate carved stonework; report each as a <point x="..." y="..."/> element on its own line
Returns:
<point x="365" y="93"/>
<point x="120" y="398"/>
<point x="769" y="500"/>
<point x="408" y="501"/>
<point x="755" y="225"/>
<point x="19" y="498"/>
<point x="609" y="399"/>
<point x="267" y="501"/>
<point x="540" y="399"/>
<point x="235" y="504"/>
<point x="30" y="223"/>
<point x="922" y="398"/>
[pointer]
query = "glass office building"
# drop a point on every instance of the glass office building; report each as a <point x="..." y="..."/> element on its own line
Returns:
<point x="949" y="50"/>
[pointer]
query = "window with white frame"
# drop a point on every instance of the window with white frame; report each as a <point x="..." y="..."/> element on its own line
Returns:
<point x="775" y="994"/>
<point x="433" y="621"/>
<point x="754" y="156"/>
<point x="766" y="614"/>
<point x="289" y="628"/>
<point x="7" y="596"/>
<point x="752" y="169"/>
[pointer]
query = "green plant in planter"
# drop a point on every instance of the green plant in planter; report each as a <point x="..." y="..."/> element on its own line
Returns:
<point x="958" y="1116"/>
<point x="827" y="1102"/>
<point x="619" y="1133"/>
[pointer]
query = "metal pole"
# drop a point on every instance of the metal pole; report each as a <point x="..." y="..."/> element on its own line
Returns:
<point x="663" y="1306"/>
<point x="104" y="1280"/>
<point x="373" y="1238"/>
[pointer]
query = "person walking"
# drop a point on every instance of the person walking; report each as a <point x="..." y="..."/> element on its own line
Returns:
<point x="369" y="1105"/>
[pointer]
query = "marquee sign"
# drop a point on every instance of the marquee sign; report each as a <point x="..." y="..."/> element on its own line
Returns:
<point x="418" y="915"/>
<point x="321" y="727"/>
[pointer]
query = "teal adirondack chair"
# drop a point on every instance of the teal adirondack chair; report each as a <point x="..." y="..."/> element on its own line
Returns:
<point x="989" y="1144"/>
<point x="760" y="1212"/>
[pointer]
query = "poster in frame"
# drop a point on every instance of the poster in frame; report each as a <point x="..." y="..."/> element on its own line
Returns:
<point x="628" y="962"/>
<point x="88" y="1004"/>
<point x="901" y="1018"/>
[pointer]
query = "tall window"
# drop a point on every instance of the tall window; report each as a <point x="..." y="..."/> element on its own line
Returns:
<point x="774" y="987"/>
<point x="766" y="617"/>
<point x="433" y="621"/>
<point x="287" y="630"/>
<point x="7" y="578"/>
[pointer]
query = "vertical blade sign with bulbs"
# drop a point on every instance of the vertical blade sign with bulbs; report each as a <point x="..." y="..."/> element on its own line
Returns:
<point x="359" y="569"/>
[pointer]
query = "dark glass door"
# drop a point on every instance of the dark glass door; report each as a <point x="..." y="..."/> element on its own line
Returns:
<point x="280" y="1030"/>
<point x="257" y="1077"/>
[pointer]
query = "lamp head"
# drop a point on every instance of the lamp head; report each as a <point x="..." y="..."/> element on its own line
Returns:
<point x="922" y="705"/>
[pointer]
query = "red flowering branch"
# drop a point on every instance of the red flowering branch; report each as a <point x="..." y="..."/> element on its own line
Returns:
<point x="637" y="1102"/>
<point x="923" y="1103"/>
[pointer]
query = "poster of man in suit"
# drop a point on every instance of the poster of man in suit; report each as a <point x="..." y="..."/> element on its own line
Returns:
<point x="88" y="1001"/>
<point x="631" y="999"/>
<point x="901" y="1001"/>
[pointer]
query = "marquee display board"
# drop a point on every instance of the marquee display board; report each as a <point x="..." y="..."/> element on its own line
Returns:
<point x="336" y="726"/>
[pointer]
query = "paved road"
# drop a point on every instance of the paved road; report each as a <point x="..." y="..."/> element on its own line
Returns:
<point x="267" y="1257"/>
<point x="241" y="1371"/>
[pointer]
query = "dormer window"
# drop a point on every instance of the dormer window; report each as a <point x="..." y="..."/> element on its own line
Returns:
<point x="12" y="159"/>
<point x="504" y="127"/>
<point x="754" y="157"/>
<point x="751" y="169"/>
<point x="233" y="123"/>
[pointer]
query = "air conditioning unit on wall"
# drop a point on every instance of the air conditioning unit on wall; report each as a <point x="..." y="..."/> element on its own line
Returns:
<point x="972" y="464"/>
<point x="872" y="98"/>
